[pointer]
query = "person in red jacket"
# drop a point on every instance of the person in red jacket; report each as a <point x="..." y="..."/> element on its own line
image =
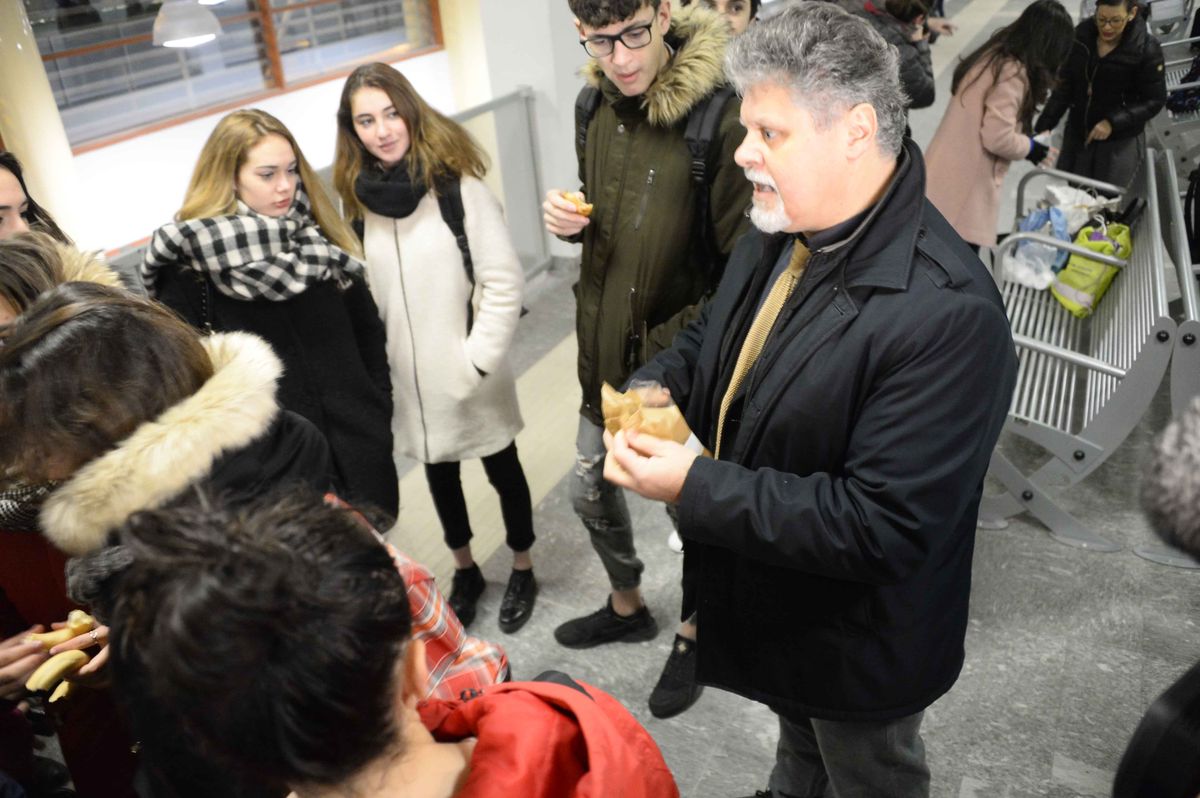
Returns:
<point x="277" y="638"/>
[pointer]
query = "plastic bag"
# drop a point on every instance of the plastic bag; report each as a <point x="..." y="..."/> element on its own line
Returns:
<point x="1034" y="264"/>
<point x="1077" y="205"/>
<point x="1080" y="286"/>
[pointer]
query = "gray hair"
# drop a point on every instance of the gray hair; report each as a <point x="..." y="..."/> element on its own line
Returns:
<point x="1171" y="491"/>
<point x="830" y="59"/>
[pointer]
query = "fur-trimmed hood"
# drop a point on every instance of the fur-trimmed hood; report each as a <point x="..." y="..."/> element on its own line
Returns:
<point x="164" y="457"/>
<point x="700" y="38"/>
<point x="85" y="267"/>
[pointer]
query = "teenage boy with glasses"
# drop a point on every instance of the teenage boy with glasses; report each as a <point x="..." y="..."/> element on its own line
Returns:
<point x="644" y="271"/>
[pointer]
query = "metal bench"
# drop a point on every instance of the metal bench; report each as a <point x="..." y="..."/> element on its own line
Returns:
<point x="1185" y="359"/>
<point x="1082" y="384"/>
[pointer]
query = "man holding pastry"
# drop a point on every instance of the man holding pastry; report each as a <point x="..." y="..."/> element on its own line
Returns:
<point x="652" y="252"/>
<point x="850" y="376"/>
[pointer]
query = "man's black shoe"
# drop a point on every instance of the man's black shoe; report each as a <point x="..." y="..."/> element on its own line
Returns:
<point x="676" y="689"/>
<point x="466" y="589"/>
<point x="605" y="626"/>
<point x="517" y="604"/>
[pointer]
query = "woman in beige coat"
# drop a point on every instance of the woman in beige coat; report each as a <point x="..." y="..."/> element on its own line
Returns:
<point x="448" y="333"/>
<point x="989" y="119"/>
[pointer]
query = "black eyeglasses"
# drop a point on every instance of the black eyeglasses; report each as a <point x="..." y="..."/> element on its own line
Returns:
<point x="635" y="37"/>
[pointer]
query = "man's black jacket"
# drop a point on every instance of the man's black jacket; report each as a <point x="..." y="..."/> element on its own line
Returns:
<point x="832" y="541"/>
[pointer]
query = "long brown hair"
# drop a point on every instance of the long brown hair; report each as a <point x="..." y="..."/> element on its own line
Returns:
<point x="82" y="368"/>
<point x="30" y="265"/>
<point x="1040" y="40"/>
<point x="211" y="189"/>
<point x="438" y="146"/>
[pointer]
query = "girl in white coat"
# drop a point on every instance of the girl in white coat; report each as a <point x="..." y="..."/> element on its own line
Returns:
<point x="448" y="335"/>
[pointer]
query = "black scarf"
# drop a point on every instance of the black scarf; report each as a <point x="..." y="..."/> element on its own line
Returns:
<point x="392" y="193"/>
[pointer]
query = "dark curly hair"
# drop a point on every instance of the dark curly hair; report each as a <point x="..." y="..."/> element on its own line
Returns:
<point x="269" y="633"/>
<point x="599" y="13"/>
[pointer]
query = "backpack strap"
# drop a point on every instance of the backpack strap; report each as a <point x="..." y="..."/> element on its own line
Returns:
<point x="449" y="197"/>
<point x="585" y="108"/>
<point x="703" y="125"/>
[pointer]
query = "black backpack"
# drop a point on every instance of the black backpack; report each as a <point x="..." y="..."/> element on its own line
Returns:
<point x="1191" y="220"/>
<point x="1184" y="100"/>
<point x="700" y="133"/>
<point x="449" y="196"/>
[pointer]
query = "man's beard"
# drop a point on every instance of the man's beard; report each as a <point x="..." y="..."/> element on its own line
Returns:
<point x="769" y="221"/>
<point x="773" y="221"/>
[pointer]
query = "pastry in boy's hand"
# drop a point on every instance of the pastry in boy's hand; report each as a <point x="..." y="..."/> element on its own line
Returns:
<point x="576" y="198"/>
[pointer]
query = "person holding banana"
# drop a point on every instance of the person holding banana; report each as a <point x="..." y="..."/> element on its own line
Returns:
<point x="127" y="408"/>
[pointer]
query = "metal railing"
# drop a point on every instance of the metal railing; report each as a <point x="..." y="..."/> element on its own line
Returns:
<point x="516" y="170"/>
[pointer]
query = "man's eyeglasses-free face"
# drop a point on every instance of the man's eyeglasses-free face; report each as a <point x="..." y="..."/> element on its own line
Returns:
<point x="635" y="37"/>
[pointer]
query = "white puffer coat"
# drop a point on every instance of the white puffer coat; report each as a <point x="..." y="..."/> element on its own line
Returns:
<point x="444" y="409"/>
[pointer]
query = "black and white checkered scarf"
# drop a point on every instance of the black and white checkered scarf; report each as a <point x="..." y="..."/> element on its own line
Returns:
<point x="249" y="256"/>
<point x="20" y="505"/>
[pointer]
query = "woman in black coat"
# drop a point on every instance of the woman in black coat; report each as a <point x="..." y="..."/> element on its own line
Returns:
<point x="258" y="247"/>
<point x="902" y="24"/>
<point x="1112" y="84"/>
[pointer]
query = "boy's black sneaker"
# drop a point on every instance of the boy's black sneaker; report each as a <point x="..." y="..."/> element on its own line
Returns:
<point x="676" y="689"/>
<point x="465" y="590"/>
<point x="605" y="626"/>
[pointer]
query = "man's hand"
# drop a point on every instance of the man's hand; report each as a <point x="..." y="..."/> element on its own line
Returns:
<point x="560" y="215"/>
<point x="649" y="466"/>
<point x="18" y="661"/>
<point x="941" y="26"/>
<point x="1100" y="132"/>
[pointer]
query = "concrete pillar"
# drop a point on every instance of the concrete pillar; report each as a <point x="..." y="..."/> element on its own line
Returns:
<point x="29" y="120"/>
<point x="467" y="46"/>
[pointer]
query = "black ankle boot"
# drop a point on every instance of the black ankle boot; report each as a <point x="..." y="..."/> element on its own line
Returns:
<point x="466" y="589"/>
<point x="519" y="596"/>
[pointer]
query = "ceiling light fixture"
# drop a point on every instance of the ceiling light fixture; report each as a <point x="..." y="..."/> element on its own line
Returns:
<point x="184" y="23"/>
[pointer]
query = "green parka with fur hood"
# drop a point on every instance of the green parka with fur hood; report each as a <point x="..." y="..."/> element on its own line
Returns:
<point x="642" y="271"/>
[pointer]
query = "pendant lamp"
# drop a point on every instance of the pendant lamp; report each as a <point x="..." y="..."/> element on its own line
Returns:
<point x="184" y="23"/>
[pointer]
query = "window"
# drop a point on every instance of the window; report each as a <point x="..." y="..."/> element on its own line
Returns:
<point x="108" y="78"/>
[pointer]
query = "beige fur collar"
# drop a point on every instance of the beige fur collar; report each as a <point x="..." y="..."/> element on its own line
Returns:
<point x="695" y="70"/>
<point x="85" y="267"/>
<point x="163" y="457"/>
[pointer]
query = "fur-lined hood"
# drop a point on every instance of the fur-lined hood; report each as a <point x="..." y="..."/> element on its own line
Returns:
<point x="85" y="267"/>
<point x="700" y="38"/>
<point x="164" y="457"/>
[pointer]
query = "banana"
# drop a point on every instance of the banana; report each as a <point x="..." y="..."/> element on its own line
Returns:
<point x="78" y="623"/>
<point x="52" y="671"/>
<point x="64" y="690"/>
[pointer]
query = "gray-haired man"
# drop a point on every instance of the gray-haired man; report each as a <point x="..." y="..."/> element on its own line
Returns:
<point x="852" y="375"/>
